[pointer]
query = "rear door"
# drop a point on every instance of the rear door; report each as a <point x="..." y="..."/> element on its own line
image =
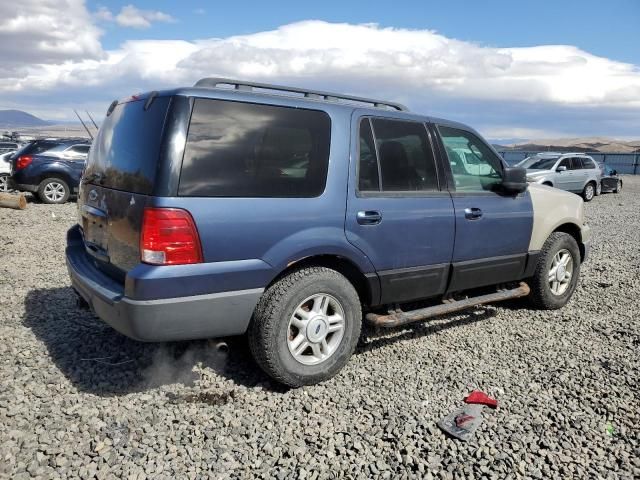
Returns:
<point x="492" y="228"/>
<point x="397" y="213"/>
<point x="118" y="180"/>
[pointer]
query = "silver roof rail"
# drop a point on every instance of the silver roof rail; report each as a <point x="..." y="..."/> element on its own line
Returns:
<point x="214" y="82"/>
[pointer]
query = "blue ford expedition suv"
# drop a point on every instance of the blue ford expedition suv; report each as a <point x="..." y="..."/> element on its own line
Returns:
<point x="235" y="207"/>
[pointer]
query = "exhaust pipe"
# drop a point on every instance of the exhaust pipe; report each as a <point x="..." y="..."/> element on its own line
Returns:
<point x="399" y="318"/>
<point x="222" y="347"/>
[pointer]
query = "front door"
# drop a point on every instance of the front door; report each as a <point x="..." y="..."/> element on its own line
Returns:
<point x="564" y="179"/>
<point x="493" y="229"/>
<point x="397" y="213"/>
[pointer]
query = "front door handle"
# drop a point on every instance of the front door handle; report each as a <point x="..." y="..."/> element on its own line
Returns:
<point x="472" y="213"/>
<point x="369" y="217"/>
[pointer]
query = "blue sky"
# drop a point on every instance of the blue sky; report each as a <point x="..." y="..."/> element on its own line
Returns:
<point x="609" y="28"/>
<point x="512" y="69"/>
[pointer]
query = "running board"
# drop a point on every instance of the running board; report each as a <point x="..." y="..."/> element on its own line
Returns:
<point x="398" y="318"/>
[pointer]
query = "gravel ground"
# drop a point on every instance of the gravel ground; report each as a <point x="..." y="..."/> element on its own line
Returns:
<point x="79" y="400"/>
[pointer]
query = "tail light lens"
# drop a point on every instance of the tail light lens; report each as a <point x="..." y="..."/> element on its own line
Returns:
<point x="23" y="161"/>
<point x="169" y="237"/>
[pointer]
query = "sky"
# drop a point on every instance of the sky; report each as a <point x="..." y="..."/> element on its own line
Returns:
<point x="512" y="69"/>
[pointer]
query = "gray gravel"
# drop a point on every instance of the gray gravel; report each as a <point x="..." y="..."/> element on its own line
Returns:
<point x="78" y="399"/>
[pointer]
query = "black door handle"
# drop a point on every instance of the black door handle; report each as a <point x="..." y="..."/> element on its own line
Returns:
<point x="369" y="217"/>
<point x="472" y="213"/>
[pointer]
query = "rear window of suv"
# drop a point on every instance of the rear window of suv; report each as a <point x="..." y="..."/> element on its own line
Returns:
<point x="239" y="149"/>
<point x="125" y="152"/>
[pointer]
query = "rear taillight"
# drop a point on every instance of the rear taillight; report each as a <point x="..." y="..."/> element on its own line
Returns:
<point x="23" y="161"/>
<point x="169" y="237"/>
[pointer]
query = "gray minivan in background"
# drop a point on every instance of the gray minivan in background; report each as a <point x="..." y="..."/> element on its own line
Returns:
<point x="574" y="172"/>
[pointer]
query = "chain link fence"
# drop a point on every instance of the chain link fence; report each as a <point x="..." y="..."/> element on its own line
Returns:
<point x="628" y="163"/>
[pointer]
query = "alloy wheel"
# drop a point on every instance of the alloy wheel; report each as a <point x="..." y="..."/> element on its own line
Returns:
<point x="316" y="329"/>
<point x="54" y="191"/>
<point x="561" y="272"/>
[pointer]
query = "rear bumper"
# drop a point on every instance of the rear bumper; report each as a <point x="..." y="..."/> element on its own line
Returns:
<point x="168" y="319"/>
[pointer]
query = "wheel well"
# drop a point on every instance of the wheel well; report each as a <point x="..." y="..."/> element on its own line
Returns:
<point x="548" y="183"/>
<point x="573" y="230"/>
<point x="339" y="264"/>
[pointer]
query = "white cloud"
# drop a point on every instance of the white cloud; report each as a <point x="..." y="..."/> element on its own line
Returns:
<point x="45" y="32"/>
<point x="498" y="89"/>
<point x="131" y="16"/>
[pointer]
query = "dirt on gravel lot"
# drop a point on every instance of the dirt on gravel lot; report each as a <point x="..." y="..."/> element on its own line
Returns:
<point x="77" y="399"/>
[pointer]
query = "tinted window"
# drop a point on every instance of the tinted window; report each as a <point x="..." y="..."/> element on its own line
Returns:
<point x="544" y="164"/>
<point x="80" y="149"/>
<point x="473" y="164"/>
<point x="368" y="175"/>
<point x="565" y="162"/>
<point x="247" y="150"/>
<point x="404" y="155"/>
<point x="587" y="163"/>
<point x="125" y="151"/>
<point x="35" y="148"/>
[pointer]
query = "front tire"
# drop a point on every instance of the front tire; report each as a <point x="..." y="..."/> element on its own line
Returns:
<point x="557" y="272"/>
<point x="4" y="182"/>
<point x="306" y="326"/>
<point x="618" y="187"/>
<point x="53" y="191"/>
<point x="589" y="192"/>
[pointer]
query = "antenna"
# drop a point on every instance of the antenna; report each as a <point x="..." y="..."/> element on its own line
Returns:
<point x="83" y="124"/>
<point x="92" y="120"/>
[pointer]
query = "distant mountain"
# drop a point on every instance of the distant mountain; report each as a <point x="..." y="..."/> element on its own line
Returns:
<point x="588" y="144"/>
<point x="18" y="118"/>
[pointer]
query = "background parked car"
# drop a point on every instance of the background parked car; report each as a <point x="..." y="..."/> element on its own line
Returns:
<point x="610" y="181"/>
<point x="574" y="172"/>
<point x="5" y="171"/>
<point x="8" y="147"/>
<point x="49" y="168"/>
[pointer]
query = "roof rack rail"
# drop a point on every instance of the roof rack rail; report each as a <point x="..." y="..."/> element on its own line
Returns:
<point x="214" y="82"/>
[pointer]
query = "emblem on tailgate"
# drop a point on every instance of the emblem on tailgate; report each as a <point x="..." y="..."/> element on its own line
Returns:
<point x="93" y="195"/>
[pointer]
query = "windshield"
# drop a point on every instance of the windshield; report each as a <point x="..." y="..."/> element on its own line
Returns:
<point x="544" y="164"/>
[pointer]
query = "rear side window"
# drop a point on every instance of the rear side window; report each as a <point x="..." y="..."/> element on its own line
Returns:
<point x="239" y="149"/>
<point x="396" y="157"/>
<point x="125" y="152"/>
<point x="587" y="163"/>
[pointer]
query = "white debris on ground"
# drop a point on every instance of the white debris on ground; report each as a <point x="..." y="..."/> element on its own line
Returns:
<point x="79" y="400"/>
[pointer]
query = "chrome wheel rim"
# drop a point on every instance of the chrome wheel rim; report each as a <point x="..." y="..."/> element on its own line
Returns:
<point x="589" y="192"/>
<point x="315" y="329"/>
<point x="54" y="191"/>
<point x="4" y="183"/>
<point x="561" y="272"/>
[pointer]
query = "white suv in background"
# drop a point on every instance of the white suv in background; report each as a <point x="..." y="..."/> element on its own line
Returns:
<point x="5" y="170"/>
<point x="574" y="172"/>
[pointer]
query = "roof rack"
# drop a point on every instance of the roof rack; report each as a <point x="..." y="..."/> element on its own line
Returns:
<point x="214" y="82"/>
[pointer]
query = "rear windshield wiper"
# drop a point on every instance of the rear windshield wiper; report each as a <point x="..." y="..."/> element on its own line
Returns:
<point x="92" y="177"/>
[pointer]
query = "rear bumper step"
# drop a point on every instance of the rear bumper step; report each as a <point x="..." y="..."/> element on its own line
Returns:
<point x="399" y="318"/>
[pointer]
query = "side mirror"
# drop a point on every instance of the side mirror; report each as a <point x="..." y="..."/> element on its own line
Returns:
<point x="514" y="179"/>
<point x="561" y="168"/>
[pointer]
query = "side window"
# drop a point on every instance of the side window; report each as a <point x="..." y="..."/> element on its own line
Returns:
<point x="588" y="163"/>
<point x="368" y="175"/>
<point x="237" y="149"/>
<point x="565" y="162"/>
<point x="474" y="166"/>
<point x="405" y="157"/>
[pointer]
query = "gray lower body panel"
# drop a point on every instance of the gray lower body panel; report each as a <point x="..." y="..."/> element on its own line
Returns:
<point x="185" y="318"/>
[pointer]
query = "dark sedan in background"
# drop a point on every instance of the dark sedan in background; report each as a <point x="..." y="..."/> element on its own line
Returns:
<point x="610" y="181"/>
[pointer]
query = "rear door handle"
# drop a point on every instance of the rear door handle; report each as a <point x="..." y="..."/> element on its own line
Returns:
<point x="472" y="213"/>
<point x="369" y="217"/>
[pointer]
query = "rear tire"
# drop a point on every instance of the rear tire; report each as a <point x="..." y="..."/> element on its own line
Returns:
<point x="53" y="191"/>
<point x="589" y="192"/>
<point x="295" y="336"/>
<point x="549" y="290"/>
